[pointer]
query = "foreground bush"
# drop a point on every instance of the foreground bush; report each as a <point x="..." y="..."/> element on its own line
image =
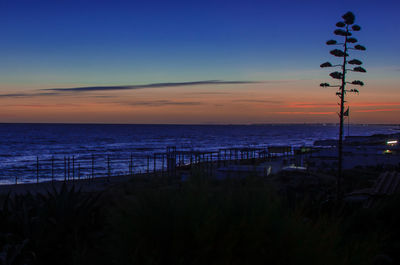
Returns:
<point x="225" y="224"/>
<point x="201" y="221"/>
<point x="60" y="227"/>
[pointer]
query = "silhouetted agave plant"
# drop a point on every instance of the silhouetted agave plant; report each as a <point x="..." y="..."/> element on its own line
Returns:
<point x="327" y="64"/>
<point x="354" y="90"/>
<point x="340" y="24"/>
<point x="352" y="40"/>
<point x="336" y="75"/>
<point x="357" y="82"/>
<point x="341" y="32"/>
<point x="349" y="18"/>
<point x="337" y="53"/>
<point x="360" y="47"/>
<point x="359" y="69"/>
<point x="355" y="61"/>
<point x="331" y="42"/>
<point x="345" y="29"/>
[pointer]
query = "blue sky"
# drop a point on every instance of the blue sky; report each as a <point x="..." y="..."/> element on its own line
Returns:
<point x="47" y="44"/>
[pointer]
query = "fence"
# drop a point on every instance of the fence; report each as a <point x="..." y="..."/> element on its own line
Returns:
<point x="90" y="166"/>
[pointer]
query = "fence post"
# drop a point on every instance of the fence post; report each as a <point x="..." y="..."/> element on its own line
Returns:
<point x="37" y="169"/>
<point x="209" y="163"/>
<point x="154" y="166"/>
<point x="73" y="168"/>
<point x="52" y="168"/>
<point x="225" y="158"/>
<point x="68" y="168"/>
<point x="148" y="164"/>
<point x="162" y="165"/>
<point x="65" y="169"/>
<point x="92" y="166"/>
<point x="131" y="165"/>
<point x="108" y="167"/>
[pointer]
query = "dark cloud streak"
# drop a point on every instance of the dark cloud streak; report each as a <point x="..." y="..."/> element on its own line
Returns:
<point x="27" y="95"/>
<point x="154" y="85"/>
<point x="67" y="91"/>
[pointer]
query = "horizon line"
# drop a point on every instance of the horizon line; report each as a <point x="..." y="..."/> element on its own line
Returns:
<point x="200" y="124"/>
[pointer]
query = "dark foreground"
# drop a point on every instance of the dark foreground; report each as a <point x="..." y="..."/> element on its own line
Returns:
<point x="252" y="220"/>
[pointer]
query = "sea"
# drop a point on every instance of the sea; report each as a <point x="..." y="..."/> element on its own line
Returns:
<point x="42" y="152"/>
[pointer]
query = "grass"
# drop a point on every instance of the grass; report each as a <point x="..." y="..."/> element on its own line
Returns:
<point x="231" y="222"/>
<point x="201" y="221"/>
<point x="59" y="227"/>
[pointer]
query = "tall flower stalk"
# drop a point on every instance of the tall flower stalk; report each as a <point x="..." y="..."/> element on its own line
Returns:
<point x="345" y="30"/>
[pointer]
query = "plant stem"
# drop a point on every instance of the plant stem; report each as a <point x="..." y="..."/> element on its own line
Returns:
<point x="342" y="102"/>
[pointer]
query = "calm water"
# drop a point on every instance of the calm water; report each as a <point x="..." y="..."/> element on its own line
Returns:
<point x="22" y="144"/>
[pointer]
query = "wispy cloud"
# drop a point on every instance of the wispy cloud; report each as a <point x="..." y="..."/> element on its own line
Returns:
<point x="375" y="104"/>
<point x="208" y="93"/>
<point x="153" y="85"/>
<point x="309" y="105"/>
<point x="306" y="112"/>
<point x="159" y="103"/>
<point x="257" y="101"/>
<point x="27" y="95"/>
<point x="43" y="105"/>
<point x="377" y="110"/>
<point x="67" y="91"/>
<point x="301" y="105"/>
<point x="102" y="96"/>
<point x="49" y="94"/>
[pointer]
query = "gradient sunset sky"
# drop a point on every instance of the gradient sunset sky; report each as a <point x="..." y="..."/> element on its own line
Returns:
<point x="191" y="62"/>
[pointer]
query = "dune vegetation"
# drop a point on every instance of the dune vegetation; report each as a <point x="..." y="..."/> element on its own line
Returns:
<point x="200" y="221"/>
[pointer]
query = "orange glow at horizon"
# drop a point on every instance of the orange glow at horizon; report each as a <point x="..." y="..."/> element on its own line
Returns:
<point x="302" y="101"/>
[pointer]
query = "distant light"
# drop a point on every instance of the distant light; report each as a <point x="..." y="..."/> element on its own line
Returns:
<point x="387" y="151"/>
<point x="392" y="142"/>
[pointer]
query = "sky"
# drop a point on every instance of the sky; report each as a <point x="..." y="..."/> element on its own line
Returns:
<point x="192" y="62"/>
